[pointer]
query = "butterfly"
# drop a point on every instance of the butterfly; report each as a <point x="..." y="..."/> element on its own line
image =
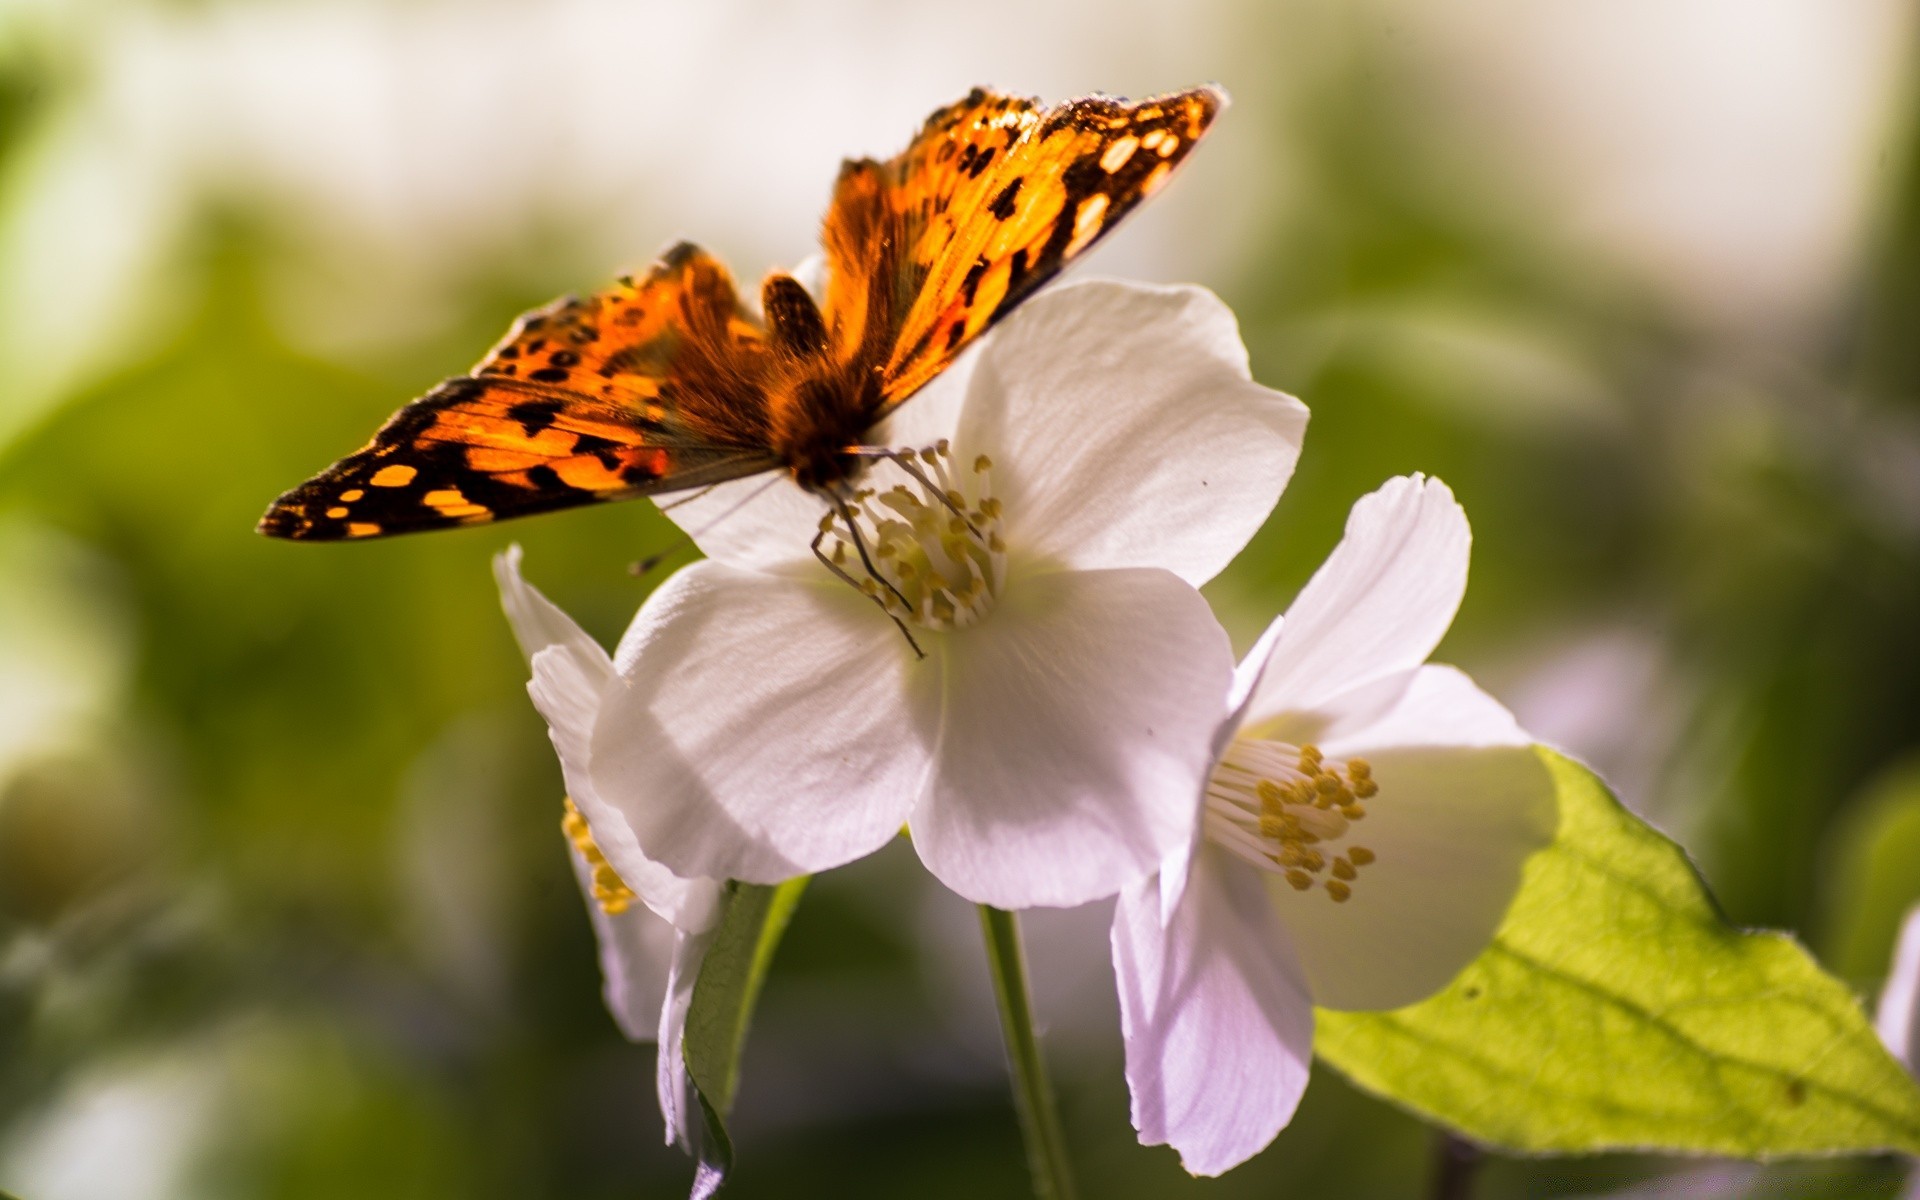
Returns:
<point x="668" y="382"/>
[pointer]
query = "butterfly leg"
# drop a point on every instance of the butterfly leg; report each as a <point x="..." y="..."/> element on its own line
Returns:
<point x="860" y="545"/>
<point x="853" y="583"/>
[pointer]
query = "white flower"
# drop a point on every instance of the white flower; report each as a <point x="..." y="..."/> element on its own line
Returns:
<point x="1110" y="453"/>
<point x="1899" y="1016"/>
<point x="650" y="952"/>
<point x="1361" y="835"/>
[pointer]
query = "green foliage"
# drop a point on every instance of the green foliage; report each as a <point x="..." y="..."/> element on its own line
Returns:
<point x="1874" y="880"/>
<point x="722" y="1008"/>
<point x="1618" y="1009"/>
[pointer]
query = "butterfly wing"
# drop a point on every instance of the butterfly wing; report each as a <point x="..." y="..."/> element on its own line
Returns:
<point x="989" y="202"/>
<point x="647" y="387"/>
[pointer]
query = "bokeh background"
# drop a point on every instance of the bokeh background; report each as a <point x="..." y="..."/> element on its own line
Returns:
<point x="284" y="909"/>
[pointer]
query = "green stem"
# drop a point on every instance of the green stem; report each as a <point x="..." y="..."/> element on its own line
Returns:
<point x="1032" y="1093"/>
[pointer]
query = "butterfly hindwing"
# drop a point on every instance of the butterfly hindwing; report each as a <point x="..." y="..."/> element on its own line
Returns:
<point x="648" y="386"/>
<point x="996" y="195"/>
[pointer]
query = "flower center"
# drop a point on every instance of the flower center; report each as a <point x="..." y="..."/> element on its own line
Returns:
<point x="1288" y="809"/>
<point x="610" y="891"/>
<point x="929" y="550"/>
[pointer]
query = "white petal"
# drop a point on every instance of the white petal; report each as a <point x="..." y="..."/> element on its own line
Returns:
<point x="670" y="1063"/>
<point x="569" y="698"/>
<point x="537" y="621"/>
<point x="1246" y="679"/>
<point x="1379" y="604"/>
<point x="1463" y="802"/>
<point x="1216" y="1016"/>
<point x="1125" y="430"/>
<point x="1899" y="1016"/>
<point x="1074" y="736"/>
<point x="636" y="954"/>
<point x="756" y="730"/>
<point x="570" y="674"/>
<point x="764" y="522"/>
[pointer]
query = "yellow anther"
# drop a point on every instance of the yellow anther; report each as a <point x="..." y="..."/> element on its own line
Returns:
<point x="1310" y="758"/>
<point x="1353" y="812"/>
<point x="610" y="892"/>
<point x="1342" y="869"/>
<point x="1339" y="891"/>
<point x="1326" y="785"/>
<point x="1273" y="826"/>
<point x="869" y="587"/>
<point x="929" y="457"/>
<point x="826" y="523"/>
<point x="983" y="463"/>
<point x="1366" y="789"/>
<point x="941" y="447"/>
<point x="1360" y="855"/>
<point x="1269" y="793"/>
<point x="1358" y="769"/>
<point x="990" y="508"/>
<point x="995" y="544"/>
<point x="1300" y="880"/>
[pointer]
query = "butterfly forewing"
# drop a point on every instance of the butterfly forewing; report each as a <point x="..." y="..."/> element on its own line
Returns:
<point x="996" y="195"/>
<point x="648" y="386"/>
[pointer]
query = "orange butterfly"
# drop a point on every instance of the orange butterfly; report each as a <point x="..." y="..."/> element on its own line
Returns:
<point x="667" y="382"/>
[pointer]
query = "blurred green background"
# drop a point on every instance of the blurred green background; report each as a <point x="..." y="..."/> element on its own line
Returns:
<point x="284" y="909"/>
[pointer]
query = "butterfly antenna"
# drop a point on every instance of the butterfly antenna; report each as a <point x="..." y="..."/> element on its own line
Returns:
<point x="648" y="563"/>
<point x="645" y="566"/>
<point x="689" y="498"/>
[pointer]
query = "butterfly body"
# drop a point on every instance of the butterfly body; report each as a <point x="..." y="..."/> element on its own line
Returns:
<point x="669" y="382"/>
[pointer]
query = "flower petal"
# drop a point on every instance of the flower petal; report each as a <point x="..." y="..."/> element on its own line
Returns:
<point x="1216" y="1016"/>
<point x="670" y="1063"/>
<point x="1379" y="604"/>
<point x="1898" y="1018"/>
<point x="1074" y="728"/>
<point x="1246" y="679"/>
<point x="537" y="621"/>
<point x="570" y="675"/>
<point x="756" y="730"/>
<point x="763" y="522"/>
<point x="1125" y="430"/>
<point x="636" y="953"/>
<point x="1463" y="802"/>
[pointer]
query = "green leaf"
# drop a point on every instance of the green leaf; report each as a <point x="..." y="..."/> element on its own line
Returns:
<point x="1616" y="1009"/>
<point x="722" y="1008"/>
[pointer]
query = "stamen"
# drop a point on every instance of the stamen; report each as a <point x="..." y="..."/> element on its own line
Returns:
<point x="610" y="891"/>
<point x="1275" y="805"/>
<point x="935" y="556"/>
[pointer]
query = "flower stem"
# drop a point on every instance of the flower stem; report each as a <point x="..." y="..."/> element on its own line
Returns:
<point x="1032" y="1093"/>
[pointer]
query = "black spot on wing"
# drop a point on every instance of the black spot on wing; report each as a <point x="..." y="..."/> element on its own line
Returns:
<point x="535" y="415"/>
<point x="1003" y="205"/>
<point x="970" y="286"/>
